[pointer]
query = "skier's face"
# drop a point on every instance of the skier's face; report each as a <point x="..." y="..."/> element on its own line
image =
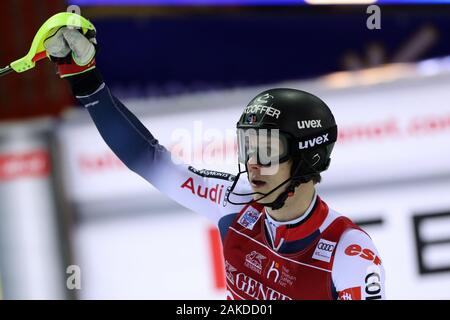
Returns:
<point x="263" y="178"/>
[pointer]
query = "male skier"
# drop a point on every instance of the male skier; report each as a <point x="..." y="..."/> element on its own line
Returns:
<point x="280" y="239"/>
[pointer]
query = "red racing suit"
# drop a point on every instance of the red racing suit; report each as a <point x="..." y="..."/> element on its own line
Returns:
<point x="321" y="264"/>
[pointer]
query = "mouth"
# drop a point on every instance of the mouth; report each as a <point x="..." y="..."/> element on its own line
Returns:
<point x="257" y="183"/>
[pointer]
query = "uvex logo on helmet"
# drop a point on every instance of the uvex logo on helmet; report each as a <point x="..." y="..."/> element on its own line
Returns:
<point x="313" y="142"/>
<point x="306" y="124"/>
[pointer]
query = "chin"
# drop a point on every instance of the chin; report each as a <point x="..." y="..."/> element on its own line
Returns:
<point x="264" y="201"/>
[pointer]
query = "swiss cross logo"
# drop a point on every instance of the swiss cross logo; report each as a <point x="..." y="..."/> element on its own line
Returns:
<point x="350" y="294"/>
<point x="367" y="254"/>
<point x="24" y="164"/>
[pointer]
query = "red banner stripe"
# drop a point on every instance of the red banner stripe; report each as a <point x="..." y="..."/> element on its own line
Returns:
<point x="34" y="163"/>
<point x="217" y="258"/>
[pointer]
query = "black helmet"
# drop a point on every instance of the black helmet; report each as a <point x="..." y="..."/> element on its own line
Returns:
<point x="305" y="132"/>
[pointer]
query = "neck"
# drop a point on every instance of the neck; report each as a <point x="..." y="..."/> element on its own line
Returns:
<point x="295" y="205"/>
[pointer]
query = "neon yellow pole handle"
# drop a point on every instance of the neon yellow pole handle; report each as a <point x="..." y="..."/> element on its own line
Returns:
<point x="51" y="26"/>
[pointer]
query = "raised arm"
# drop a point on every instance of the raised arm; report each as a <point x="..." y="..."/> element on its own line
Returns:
<point x="131" y="141"/>
<point x="201" y="191"/>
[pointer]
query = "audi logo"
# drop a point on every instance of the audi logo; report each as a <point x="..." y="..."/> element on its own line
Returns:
<point x="326" y="247"/>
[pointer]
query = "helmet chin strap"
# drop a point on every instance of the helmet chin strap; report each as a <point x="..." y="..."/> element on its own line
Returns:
<point x="282" y="197"/>
<point x="294" y="182"/>
<point x="264" y="195"/>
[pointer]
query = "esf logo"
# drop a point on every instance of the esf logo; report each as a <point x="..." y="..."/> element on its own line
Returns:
<point x="367" y="254"/>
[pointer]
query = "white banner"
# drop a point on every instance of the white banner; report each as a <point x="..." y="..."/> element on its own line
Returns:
<point x="390" y="168"/>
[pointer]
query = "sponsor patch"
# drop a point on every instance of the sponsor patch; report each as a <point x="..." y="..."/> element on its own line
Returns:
<point x="260" y="105"/>
<point x="306" y="124"/>
<point x="212" y="174"/>
<point x="256" y="289"/>
<point x="249" y="218"/>
<point x="373" y="283"/>
<point x="324" y="250"/>
<point x="357" y="250"/>
<point x="314" y="142"/>
<point x="254" y="261"/>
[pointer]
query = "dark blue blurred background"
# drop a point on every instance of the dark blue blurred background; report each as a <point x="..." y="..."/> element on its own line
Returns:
<point x="175" y="53"/>
<point x="167" y="50"/>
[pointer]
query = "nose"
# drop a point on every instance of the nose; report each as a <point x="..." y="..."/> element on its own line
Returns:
<point x="252" y="163"/>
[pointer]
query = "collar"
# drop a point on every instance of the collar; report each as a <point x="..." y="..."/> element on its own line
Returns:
<point x="298" y="228"/>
